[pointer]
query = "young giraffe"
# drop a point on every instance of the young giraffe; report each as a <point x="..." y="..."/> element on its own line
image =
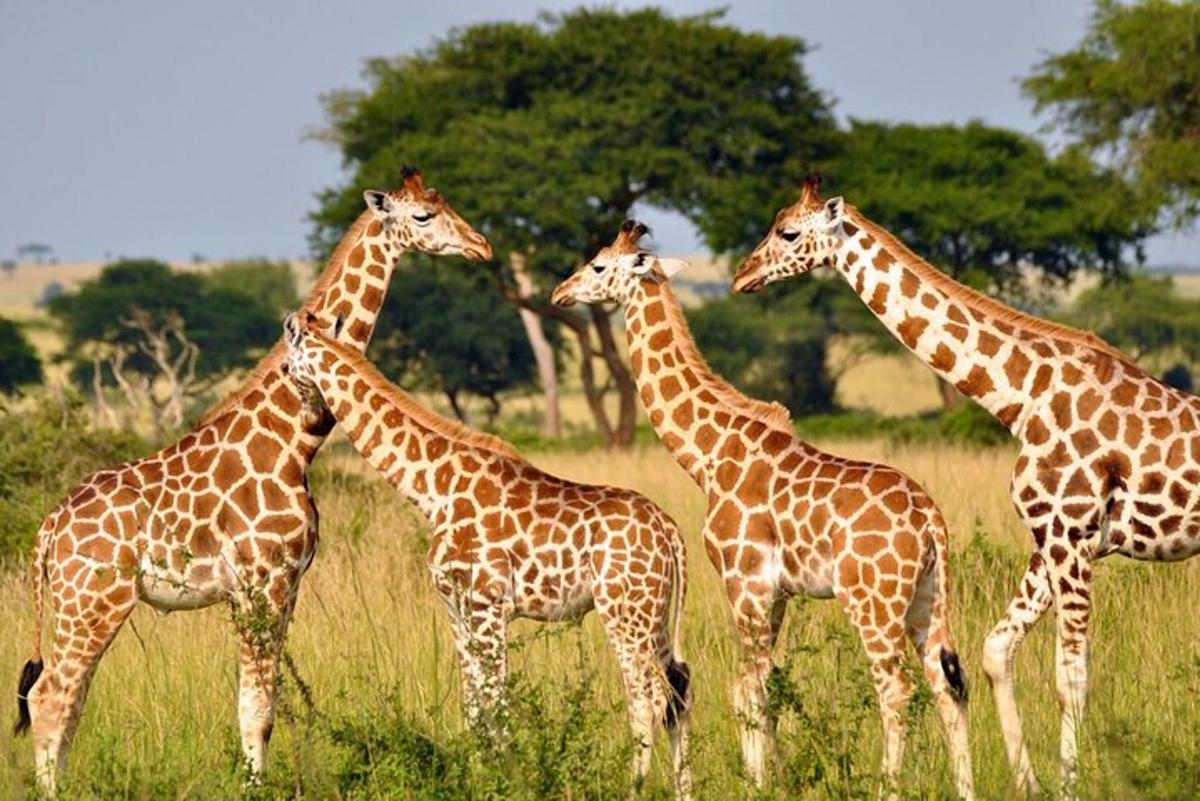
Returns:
<point x="224" y="514"/>
<point x="512" y="541"/>
<point x="785" y="518"/>
<point x="1109" y="460"/>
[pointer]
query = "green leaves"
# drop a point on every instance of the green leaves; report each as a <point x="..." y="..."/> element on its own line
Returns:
<point x="1131" y="88"/>
<point x="984" y="203"/>
<point x="19" y="365"/>
<point x="446" y="329"/>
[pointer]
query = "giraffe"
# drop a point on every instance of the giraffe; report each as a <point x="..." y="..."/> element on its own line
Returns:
<point x="1109" y="461"/>
<point x="785" y="518"/>
<point x="510" y="540"/>
<point x="223" y="514"/>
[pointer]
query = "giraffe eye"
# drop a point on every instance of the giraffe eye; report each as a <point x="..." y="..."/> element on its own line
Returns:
<point x="788" y="234"/>
<point x="598" y="268"/>
<point x="422" y="217"/>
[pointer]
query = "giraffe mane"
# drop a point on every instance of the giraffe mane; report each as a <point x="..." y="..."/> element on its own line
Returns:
<point x="411" y="407"/>
<point x="275" y="357"/>
<point x="978" y="301"/>
<point x="770" y="413"/>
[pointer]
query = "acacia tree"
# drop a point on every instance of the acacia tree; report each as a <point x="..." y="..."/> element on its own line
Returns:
<point x="158" y="336"/>
<point x="990" y="206"/>
<point x="546" y="135"/>
<point x="1129" y="90"/>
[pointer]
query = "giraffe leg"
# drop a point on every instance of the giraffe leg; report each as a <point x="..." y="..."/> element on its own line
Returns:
<point x="930" y="635"/>
<point x="1032" y="600"/>
<point x="481" y="640"/>
<point x="262" y="629"/>
<point x="80" y="640"/>
<point x="1071" y="586"/>
<point x="884" y="644"/>
<point x="758" y="621"/>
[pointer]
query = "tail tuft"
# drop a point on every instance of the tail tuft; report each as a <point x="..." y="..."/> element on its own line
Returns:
<point x="679" y="676"/>
<point x="29" y="677"/>
<point x="954" y="675"/>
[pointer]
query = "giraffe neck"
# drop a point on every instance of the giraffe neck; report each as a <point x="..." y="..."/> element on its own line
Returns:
<point x="689" y="406"/>
<point x="423" y="455"/>
<point x="995" y="355"/>
<point x="352" y="286"/>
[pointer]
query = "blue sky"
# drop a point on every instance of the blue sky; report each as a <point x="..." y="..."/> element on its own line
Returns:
<point x="167" y="129"/>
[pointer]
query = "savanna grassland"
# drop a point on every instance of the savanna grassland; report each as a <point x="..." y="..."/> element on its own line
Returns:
<point x="371" y="706"/>
<point x="378" y="713"/>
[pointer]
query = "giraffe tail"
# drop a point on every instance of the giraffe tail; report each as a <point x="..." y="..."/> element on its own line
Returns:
<point x="33" y="668"/>
<point x="956" y="677"/>
<point x="679" y="675"/>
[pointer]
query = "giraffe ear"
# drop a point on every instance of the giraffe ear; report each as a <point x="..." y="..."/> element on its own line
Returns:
<point x="291" y="329"/>
<point x="640" y="263"/>
<point x="380" y="203"/>
<point x="834" y="213"/>
<point x="671" y="266"/>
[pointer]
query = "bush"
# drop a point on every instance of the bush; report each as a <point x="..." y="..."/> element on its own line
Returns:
<point x="965" y="424"/>
<point x="19" y="365"/>
<point x="43" y="454"/>
<point x="557" y="747"/>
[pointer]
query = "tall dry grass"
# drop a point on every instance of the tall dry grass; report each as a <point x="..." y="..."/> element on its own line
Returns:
<point x="371" y="640"/>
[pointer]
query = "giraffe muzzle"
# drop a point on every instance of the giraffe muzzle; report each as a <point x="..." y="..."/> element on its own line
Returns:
<point x="481" y="251"/>
<point x="747" y="284"/>
<point x="562" y="297"/>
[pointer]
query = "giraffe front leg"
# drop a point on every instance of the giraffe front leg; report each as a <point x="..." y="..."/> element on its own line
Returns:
<point x="883" y="640"/>
<point x="1071" y="585"/>
<point x="1032" y="600"/>
<point x="261" y="617"/>
<point x="481" y="640"/>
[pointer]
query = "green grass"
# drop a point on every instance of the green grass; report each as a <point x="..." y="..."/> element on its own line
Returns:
<point x="371" y="643"/>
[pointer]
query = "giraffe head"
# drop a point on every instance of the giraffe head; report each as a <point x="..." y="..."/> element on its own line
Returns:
<point x="417" y="218"/>
<point x="805" y="235"/>
<point x="614" y="272"/>
<point x="303" y="360"/>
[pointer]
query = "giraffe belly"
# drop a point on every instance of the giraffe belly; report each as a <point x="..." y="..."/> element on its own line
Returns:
<point x="550" y="601"/>
<point x="168" y="590"/>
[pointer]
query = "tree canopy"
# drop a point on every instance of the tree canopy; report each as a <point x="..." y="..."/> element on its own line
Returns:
<point x="1143" y="315"/>
<point x="441" y="328"/>
<point x="1129" y="90"/>
<point x="777" y="347"/>
<point x="545" y="135"/>
<point x="982" y="203"/>
<point x="19" y="364"/>
<point x="270" y="282"/>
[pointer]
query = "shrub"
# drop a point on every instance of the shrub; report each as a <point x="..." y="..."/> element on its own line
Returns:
<point x="43" y="453"/>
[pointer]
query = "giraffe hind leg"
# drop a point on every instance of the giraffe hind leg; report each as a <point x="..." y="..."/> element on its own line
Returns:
<point x="930" y="635"/>
<point x="57" y="697"/>
<point x="1032" y="600"/>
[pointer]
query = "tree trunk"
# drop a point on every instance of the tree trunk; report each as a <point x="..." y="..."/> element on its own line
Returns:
<point x="587" y="379"/>
<point x="950" y="396"/>
<point x="543" y="353"/>
<point x="458" y="410"/>
<point x="626" y="386"/>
